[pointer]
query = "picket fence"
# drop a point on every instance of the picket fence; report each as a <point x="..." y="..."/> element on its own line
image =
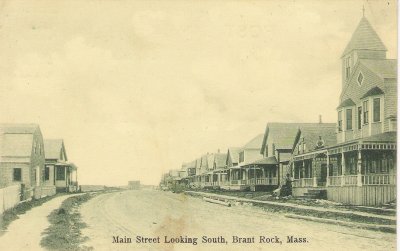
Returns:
<point x="9" y="197"/>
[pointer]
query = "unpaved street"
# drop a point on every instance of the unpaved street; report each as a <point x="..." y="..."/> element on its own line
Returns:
<point x="25" y="232"/>
<point x="158" y="214"/>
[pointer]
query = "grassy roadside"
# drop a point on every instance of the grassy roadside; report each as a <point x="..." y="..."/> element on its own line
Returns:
<point x="64" y="232"/>
<point x="348" y="217"/>
<point x="12" y="214"/>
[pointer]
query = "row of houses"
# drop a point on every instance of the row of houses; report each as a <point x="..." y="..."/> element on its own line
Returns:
<point x="40" y="166"/>
<point x="352" y="161"/>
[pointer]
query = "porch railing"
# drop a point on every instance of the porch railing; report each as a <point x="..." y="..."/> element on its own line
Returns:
<point x="350" y="180"/>
<point x="307" y="182"/>
<point x="264" y="181"/>
<point x="379" y="179"/>
<point x="335" y="180"/>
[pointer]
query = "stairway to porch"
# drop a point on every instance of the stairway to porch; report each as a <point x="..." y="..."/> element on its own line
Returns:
<point x="315" y="193"/>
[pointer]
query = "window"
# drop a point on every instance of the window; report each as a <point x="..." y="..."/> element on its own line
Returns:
<point x="349" y="119"/>
<point x="60" y="173"/>
<point x="360" y="78"/>
<point x="366" y="111"/>
<point x="340" y="121"/>
<point x="17" y="174"/>
<point x="359" y="115"/>
<point x="347" y="67"/>
<point x="46" y="173"/>
<point x="377" y="109"/>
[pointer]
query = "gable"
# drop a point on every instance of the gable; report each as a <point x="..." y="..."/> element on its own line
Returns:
<point x="354" y="90"/>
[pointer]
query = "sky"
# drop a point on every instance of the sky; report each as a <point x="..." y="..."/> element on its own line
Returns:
<point x="135" y="88"/>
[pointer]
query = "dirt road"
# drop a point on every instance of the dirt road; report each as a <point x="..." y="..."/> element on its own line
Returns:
<point x="153" y="214"/>
<point x="25" y="232"/>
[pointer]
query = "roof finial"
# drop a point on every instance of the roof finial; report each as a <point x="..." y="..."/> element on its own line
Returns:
<point x="363" y="9"/>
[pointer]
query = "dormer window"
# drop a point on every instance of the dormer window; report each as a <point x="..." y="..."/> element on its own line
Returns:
<point x="377" y="109"/>
<point x="360" y="78"/>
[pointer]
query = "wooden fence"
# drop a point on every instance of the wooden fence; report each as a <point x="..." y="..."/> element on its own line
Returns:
<point x="9" y="197"/>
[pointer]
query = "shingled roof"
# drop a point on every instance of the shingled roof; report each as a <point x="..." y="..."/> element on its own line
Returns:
<point x="53" y="148"/>
<point x="310" y="134"/>
<point x="16" y="140"/>
<point x="384" y="68"/>
<point x="364" y="38"/>
<point x="220" y="160"/>
<point x="233" y="152"/>
<point x="373" y="91"/>
<point x="347" y="102"/>
<point x="254" y="143"/>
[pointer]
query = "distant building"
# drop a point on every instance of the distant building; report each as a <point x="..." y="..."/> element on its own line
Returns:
<point x="134" y="184"/>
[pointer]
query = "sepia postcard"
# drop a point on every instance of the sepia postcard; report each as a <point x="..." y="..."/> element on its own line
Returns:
<point x="198" y="125"/>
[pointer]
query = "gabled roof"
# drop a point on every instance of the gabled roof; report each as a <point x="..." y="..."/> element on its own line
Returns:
<point x="220" y="160"/>
<point x="372" y="92"/>
<point x="384" y="68"/>
<point x="53" y="148"/>
<point x="16" y="140"/>
<point x="310" y="135"/>
<point x="233" y="153"/>
<point x="254" y="143"/>
<point x="364" y="38"/>
<point x="266" y="161"/>
<point x="347" y="102"/>
<point x="283" y="135"/>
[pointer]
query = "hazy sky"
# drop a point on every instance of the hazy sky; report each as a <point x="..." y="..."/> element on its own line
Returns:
<point x="137" y="87"/>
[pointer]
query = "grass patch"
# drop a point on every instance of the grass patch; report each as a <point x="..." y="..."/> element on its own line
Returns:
<point x="12" y="214"/>
<point x="64" y="232"/>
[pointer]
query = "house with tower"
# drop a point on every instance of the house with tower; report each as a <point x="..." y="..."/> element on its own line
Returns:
<point x="360" y="168"/>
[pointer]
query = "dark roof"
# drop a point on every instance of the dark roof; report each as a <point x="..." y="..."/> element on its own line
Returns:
<point x="266" y="161"/>
<point x="364" y="38"/>
<point x="53" y="148"/>
<point x="373" y="91"/>
<point x="254" y="143"/>
<point x="311" y="134"/>
<point x="385" y="68"/>
<point x="347" y="102"/>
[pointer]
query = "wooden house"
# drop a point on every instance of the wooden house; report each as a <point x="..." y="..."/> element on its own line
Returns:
<point x="238" y="162"/>
<point x="361" y="167"/>
<point x="58" y="171"/>
<point x="22" y="159"/>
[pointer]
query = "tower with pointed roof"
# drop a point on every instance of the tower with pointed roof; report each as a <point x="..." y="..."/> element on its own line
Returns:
<point x="368" y="100"/>
<point x="364" y="44"/>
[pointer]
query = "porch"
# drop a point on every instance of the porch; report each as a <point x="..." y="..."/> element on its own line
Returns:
<point x="359" y="173"/>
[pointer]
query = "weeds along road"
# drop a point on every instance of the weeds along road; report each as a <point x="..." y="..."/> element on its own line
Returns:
<point x="150" y="214"/>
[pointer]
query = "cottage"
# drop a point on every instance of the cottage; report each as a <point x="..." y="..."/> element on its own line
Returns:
<point x="238" y="162"/>
<point x="361" y="167"/>
<point x="58" y="171"/>
<point x="22" y="159"/>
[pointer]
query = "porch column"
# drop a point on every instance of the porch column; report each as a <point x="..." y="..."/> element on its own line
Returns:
<point x="343" y="170"/>
<point x="327" y="169"/>
<point x="314" y="173"/>
<point x="359" y="162"/>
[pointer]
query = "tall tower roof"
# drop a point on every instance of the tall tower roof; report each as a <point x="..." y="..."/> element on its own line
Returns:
<point x="364" y="38"/>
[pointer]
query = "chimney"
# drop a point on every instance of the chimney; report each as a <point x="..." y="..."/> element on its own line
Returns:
<point x="320" y="119"/>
